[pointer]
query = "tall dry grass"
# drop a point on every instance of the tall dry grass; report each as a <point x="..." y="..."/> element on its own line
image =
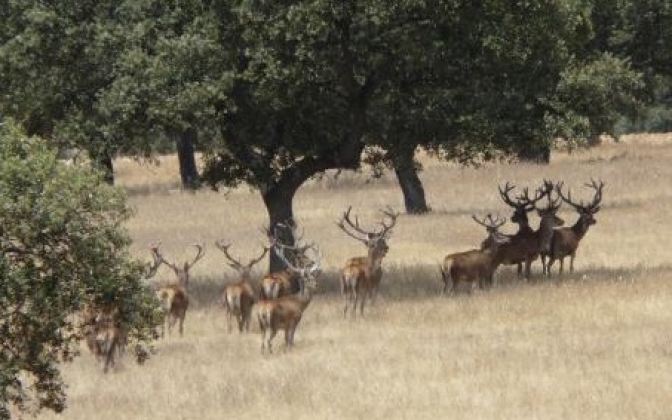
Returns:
<point x="594" y="345"/>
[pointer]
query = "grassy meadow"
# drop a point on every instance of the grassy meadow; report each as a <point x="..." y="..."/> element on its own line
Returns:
<point x="595" y="344"/>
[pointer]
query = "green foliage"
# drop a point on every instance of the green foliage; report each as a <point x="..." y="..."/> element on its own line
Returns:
<point x="63" y="246"/>
<point x="600" y="91"/>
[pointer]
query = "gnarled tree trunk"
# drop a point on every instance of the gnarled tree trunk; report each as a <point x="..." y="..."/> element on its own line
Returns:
<point x="411" y="186"/>
<point x="184" y="142"/>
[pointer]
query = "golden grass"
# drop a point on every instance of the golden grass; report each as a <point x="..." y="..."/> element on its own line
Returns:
<point x="593" y="345"/>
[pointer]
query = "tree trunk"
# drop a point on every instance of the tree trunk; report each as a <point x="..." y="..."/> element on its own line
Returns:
<point x="184" y="142"/>
<point x="105" y="163"/>
<point x="278" y="200"/>
<point x="409" y="181"/>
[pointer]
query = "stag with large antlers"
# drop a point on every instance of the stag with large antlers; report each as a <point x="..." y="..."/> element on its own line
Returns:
<point x="476" y="265"/>
<point x="284" y="282"/>
<point x="527" y="244"/>
<point x="360" y="278"/>
<point x="239" y="298"/>
<point x="566" y="241"/>
<point x="174" y="298"/>
<point x="285" y="313"/>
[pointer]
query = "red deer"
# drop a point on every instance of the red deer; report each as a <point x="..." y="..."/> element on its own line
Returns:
<point x="284" y="282"/>
<point x="476" y="265"/>
<point x="360" y="278"/>
<point x="527" y="244"/>
<point x="566" y="241"/>
<point x="239" y="297"/>
<point x="174" y="298"/>
<point x="285" y="313"/>
<point x="104" y="337"/>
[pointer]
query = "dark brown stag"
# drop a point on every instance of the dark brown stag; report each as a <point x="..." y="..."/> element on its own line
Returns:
<point x="566" y="241"/>
<point x="476" y="265"/>
<point x="527" y="244"/>
<point x="239" y="298"/>
<point x="360" y="278"/>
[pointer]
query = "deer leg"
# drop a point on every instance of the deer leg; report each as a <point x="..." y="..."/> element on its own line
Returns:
<point x="181" y="324"/>
<point x="548" y="267"/>
<point x="272" y="334"/>
<point x="562" y="266"/>
<point x="520" y="270"/>
<point x="571" y="262"/>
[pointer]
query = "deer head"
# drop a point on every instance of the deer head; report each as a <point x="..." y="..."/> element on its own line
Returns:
<point x="181" y="271"/>
<point x="522" y="204"/>
<point x="308" y="269"/>
<point x="243" y="269"/>
<point x="375" y="240"/>
<point x="492" y="225"/>
<point x="586" y="211"/>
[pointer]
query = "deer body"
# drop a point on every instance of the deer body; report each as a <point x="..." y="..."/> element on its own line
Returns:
<point x="282" y="313"/>
<point x="281" y="283"/>
<point x="174" y="300"/>
<point x="565" y="241"/>
<point x="285" y="313"/>
<point x="360" y="279"/>
<point x="476" y="265"/>
<point x="238" y="298"/>
<point x="104" y="337"/>
<point x="527" y="244"/>
<point x="361" y="276"/>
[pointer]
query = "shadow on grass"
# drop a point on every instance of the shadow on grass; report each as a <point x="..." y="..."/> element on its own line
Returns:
<point x="422" y="281"/>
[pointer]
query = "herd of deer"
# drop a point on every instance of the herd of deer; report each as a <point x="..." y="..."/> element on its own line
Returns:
<point x="282" y="297"/>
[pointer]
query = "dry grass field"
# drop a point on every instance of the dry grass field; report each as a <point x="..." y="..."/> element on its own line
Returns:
<point x="596" y="344"/>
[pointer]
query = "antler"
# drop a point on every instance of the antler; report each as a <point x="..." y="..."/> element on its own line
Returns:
<point x="523" y="200"/>
<point x="306" y="265"/>
<point x="160" y="257"/>
<point x="490" y="222"/>
<point x="153" y="267"/>
<point x="354" y="227"/>
<point x="592" y="207"/>
<point x="546" y="190"/>
<point x="199" y="255"/>
<point x="224" y="247"/>
<point x="393" y="217"/>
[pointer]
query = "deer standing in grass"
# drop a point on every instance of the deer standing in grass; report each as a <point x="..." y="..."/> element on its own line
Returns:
<point x="174" y="298"/>
<point x="527" y="244"/>
<point x="285" y="313"/>
<point x="284" y="282"/>
<point x="360" y="278"/>
<point x="239" y="298"/>
<point x="476" y="265"/>
<point x="566" y="241"/>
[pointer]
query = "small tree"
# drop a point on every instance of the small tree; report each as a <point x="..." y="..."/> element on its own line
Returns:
<point x="63" y="246"/>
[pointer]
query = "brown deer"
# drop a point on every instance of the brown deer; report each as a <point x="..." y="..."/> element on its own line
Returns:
<point x="104" y="336"/>
<point x="360" y="278"/>
<point x="284" y="282"/>
<point x="565" y="241"/>
<point x="174" y="298"/>
<point x="285" y="313"/>
<point x="527" y="244"/>
<point x="110" y="339"/>
<point x="476" y="265"/>
<point x="239" y="297"/>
